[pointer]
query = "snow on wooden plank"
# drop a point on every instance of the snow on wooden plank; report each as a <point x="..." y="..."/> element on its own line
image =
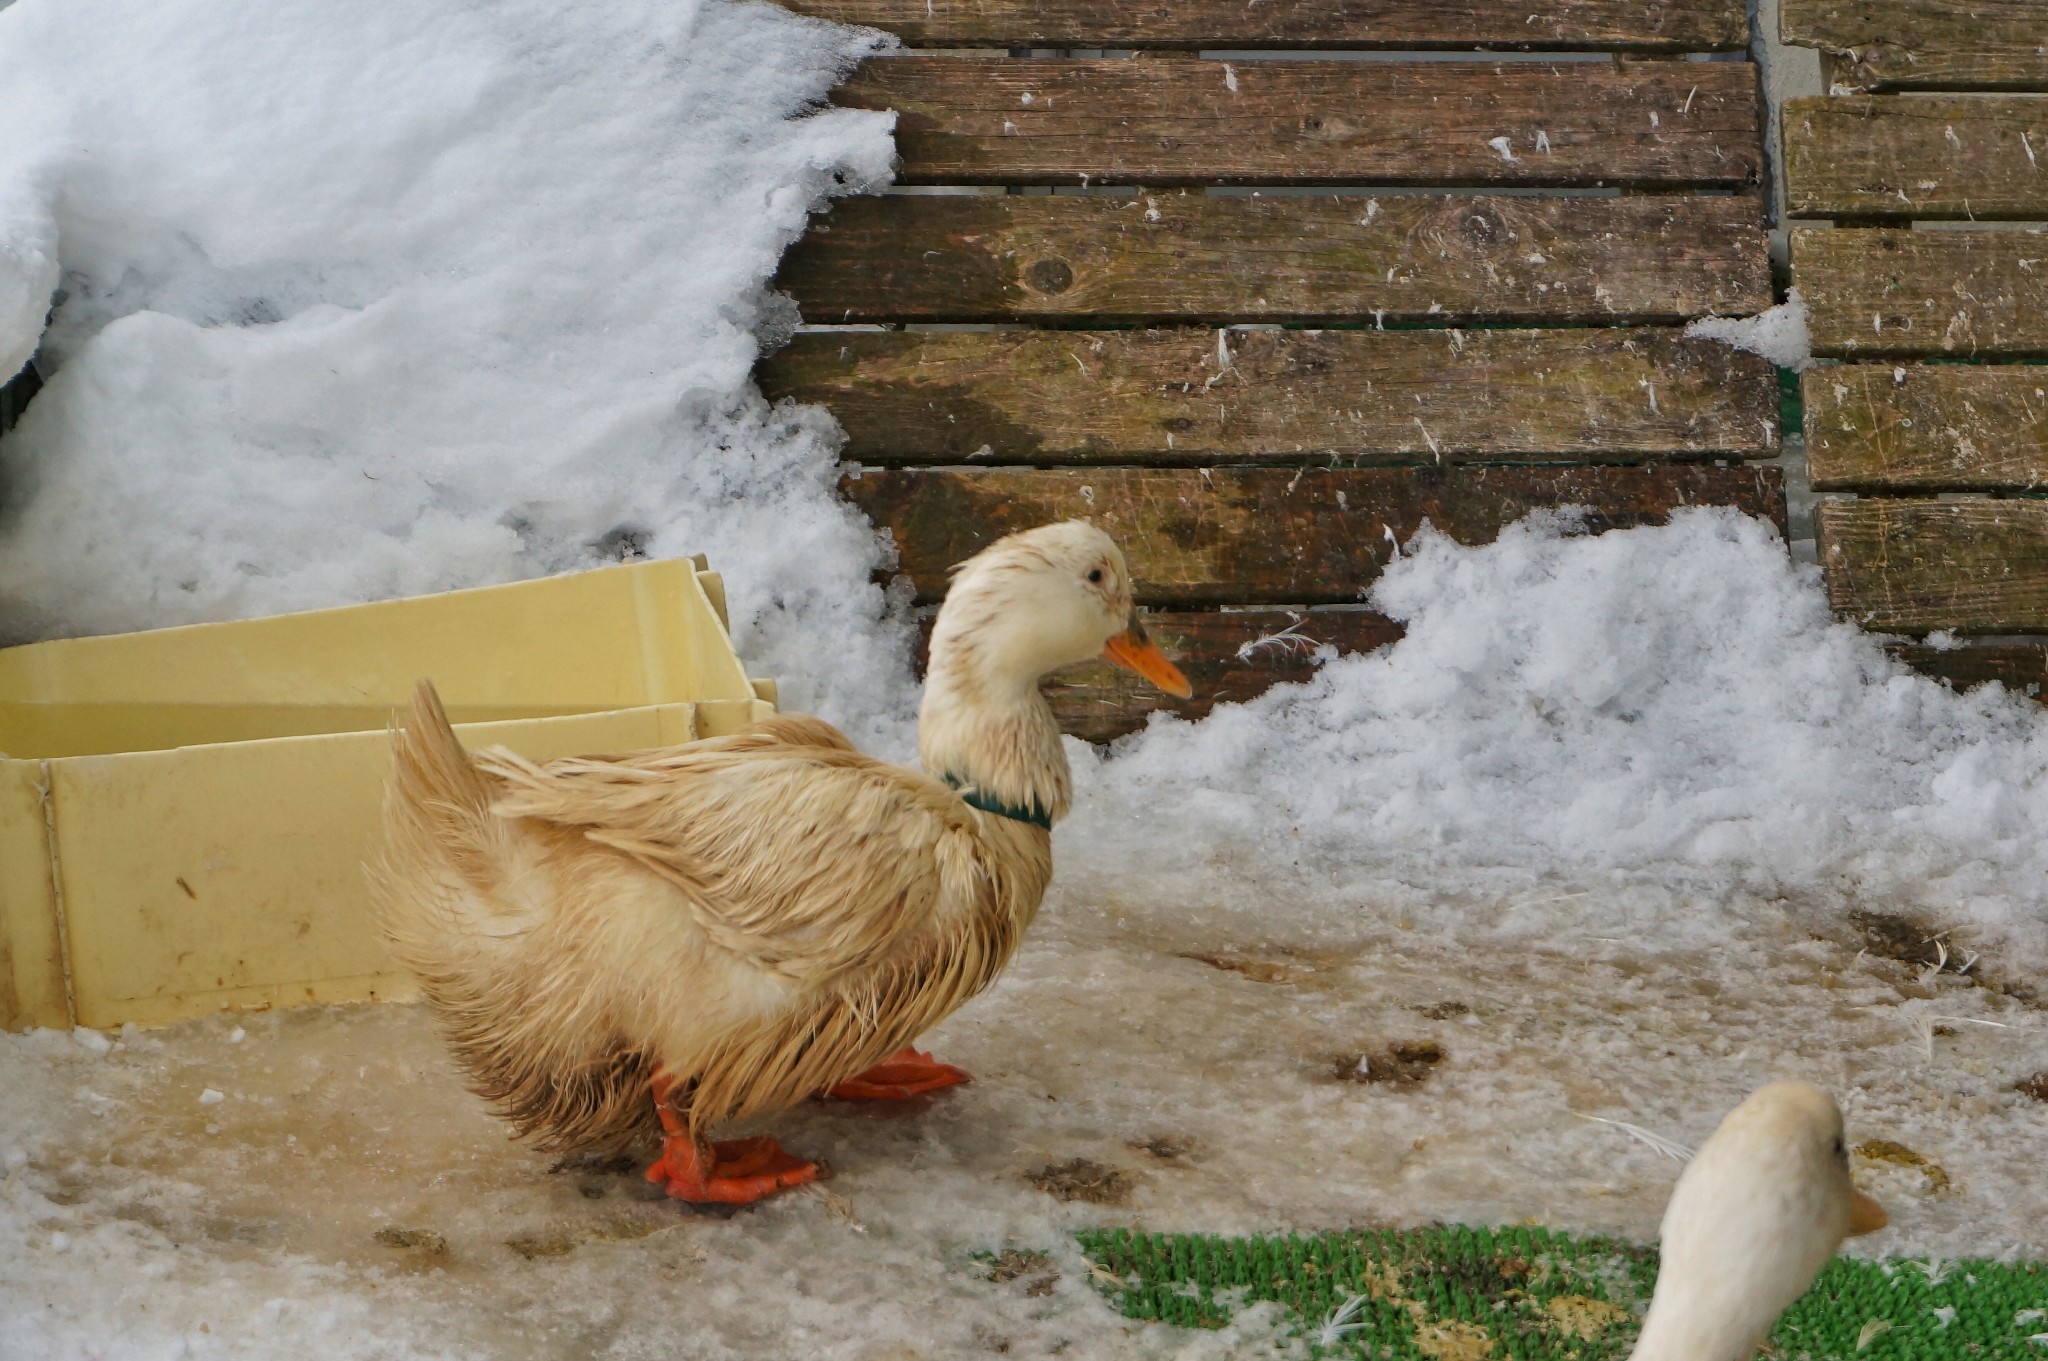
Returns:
<point x="1619" y="25"/>
<point x="1176" y="120"/>
<point x="1928" y="427"/>
<point x="1352" y="258"/>
<point x="1915" y="566"/>
<point x="2022" y="667"/>
<point x="1186" y="396"/>
<point x="1227" y="656"/>
<point x="1887" y="293"/>
<point x="1925" y="44"/>
<point x="1253" y="536"/>
<point x="1983" y="157"/>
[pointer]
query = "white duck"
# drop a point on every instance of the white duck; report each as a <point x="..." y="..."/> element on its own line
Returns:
<point x="676" y="939"/>
<point x="1762" y="1207"/>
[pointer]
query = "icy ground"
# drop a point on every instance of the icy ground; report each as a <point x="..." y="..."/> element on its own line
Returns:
<point x="142" y="1218"/>
<point x="1624" y="827"/>
<point x="356" y="301"/>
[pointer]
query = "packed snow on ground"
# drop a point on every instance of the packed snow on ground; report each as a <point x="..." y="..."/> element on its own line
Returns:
<point x="370" y="301"/>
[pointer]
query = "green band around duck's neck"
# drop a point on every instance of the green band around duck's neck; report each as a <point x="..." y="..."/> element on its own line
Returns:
<point x="974" y="798"/>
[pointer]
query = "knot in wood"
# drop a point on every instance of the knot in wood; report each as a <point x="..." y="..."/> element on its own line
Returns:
<point x="1049" y="276"/>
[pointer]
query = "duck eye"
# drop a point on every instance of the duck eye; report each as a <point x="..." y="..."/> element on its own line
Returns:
<point x="1095" y="575"/>
<point x="1840" y="1152"/>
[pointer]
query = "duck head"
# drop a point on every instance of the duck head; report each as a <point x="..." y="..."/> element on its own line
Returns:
<point x="1760" y="1209"/>
<point x="1020" y="609"/>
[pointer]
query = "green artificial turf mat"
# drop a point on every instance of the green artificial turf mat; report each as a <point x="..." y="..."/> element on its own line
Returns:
<point x="1528" y="1294"/>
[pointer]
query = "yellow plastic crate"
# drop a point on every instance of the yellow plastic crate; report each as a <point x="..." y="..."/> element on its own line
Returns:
<point x="185" y="813"/>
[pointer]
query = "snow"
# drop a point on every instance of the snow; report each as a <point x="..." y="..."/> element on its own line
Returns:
<point x="377" y="299"/>
<point x="1659" y="713"/>
<point x="363" y="301"/>
<point x="1778" y="333"/>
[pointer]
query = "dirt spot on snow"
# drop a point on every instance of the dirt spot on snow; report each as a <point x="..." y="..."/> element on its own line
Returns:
<point x="423" y="1241"/>
<point x="1441" y="1011"/>
<point x="562" y="1242"/>
<point x="1404" y="1063"/>
<point x="599" y="1165"/>
<point x="1898" y="1155"/>
<point x="1907" y="940"/>
<point x="1034" y="1269"/>
<point x="1165" y="1147"/>
<point x="1899" y="938"/>
<point x="2035" y="1086"/>
<point x="1084" y="1179"/>
<point x="1011" y="1263"/>
<point x="599" y="1174"/>
<point x="533" y="1246"/>
<point x="1257" y="970"/>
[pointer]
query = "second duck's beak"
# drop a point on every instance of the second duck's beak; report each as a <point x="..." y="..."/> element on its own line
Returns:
<point x="1865" y="1215"/>
<point x="1133" y="651"/>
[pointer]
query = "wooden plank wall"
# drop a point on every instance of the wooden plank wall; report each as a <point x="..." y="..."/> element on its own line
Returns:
<point x="1264" y="289"/>
<point x="1929" y="285"/>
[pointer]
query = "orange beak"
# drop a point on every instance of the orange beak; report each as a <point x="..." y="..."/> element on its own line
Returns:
<point x="1133" y="651"/>
<point x="1865" y="1215"/>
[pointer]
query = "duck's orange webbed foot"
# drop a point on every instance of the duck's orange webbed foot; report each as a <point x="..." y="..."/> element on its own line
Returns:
<point x="902" y="1075"/>
<point x="731" y="1172"/>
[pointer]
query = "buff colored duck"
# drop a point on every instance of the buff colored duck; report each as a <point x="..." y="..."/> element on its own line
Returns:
<point x="712" y="931"/>
<point x="1756" y="1215"/>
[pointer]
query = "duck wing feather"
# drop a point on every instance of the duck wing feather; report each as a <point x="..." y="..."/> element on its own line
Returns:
<point x="788" y="847"/>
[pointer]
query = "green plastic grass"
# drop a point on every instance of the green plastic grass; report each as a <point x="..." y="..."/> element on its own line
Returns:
<point x="1528" y="1294"/>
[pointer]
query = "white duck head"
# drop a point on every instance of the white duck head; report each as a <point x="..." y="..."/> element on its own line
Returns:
<point x="1762" y="1207"/>
<point x="1023" y="607"/>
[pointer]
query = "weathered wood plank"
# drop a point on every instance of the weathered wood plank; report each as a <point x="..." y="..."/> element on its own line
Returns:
<point x="1255" y="536"/>
<point x="2022" y="667"/>
<point x="1912" y="566"/>
<point x="1886" y="293"/>
<point x="1598" y="25"/>
<point x="1927" y="427"/>
<point x="1177" y="120"/>
<point x="1228" y="657"/>
<point x="1983" y="157"/>
<point x="1925" y="44"/>
<point x="1189" y="396"/>
<point x="1189" y="258"/>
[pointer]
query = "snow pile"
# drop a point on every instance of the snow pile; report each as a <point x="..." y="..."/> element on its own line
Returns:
<point x="377" y="299"/>
<point x="1673" y="707"/>
<point x="1779" y="333"/>
<point x="28" y="277"/>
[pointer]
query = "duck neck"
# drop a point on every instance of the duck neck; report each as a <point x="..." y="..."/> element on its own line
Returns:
<point x="990" y="733"/>
<point x="1703" y="1329"/>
